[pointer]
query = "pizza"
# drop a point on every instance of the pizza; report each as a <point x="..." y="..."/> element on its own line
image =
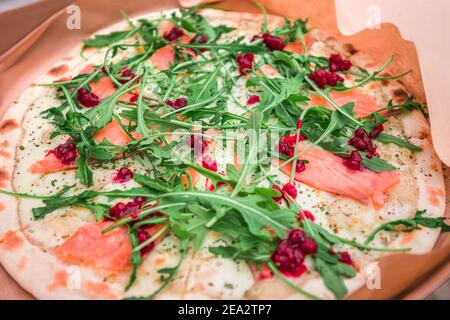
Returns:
<point x="203" y="154"/>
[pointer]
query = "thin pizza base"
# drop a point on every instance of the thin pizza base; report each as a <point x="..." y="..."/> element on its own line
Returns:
<point x="29" y="259"/>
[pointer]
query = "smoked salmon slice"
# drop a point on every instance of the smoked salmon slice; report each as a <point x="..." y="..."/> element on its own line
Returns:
<point x="104" y="87"/>
<point x="50" y="164"/>
<point x="364" y="104"/>
<point x="164" y="57"/>
<point x="89" y="247"/>
<point x="297" y="46"/>
<point x="326" y="171"/>
<point x="112" y="132"/>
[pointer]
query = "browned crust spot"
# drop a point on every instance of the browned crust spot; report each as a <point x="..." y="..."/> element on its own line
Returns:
<point x="11" y="241"/>
<point x="4" y="150"/>
<point x="350" y="48"/>
<point x="58" y="70"/>
<point x="400" y="95"/>
<point x="4" y="177"/>
<point x="8" y="125"/>
<point x="2" y="206"/>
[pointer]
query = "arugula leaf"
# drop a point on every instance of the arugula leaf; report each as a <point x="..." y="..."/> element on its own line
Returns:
<point x="388" y="138"/>
<point x="59" y="201"/>
<point x="169" y="273"/>
<point x="151" y="183"/>
<point x="408" y="225"/>
<point x="83" y="172"/>
<point x="135" y="257"/>
<point x="104" y="40"/>
<point x="377" y="164"/>
<point x="331" y="277"/>
<point x="254" y="127"/>
<point x="256" y="216"/>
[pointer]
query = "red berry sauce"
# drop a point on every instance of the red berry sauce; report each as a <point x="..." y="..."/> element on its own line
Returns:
<point x="178" y="103"/>
<point x="120" y="209"/>
<point x="353" y="160"/>
<point x="197" y="143"/>
<point x="245" y="62"/>
<point x="300" y="166"/>
<point x="66" y="152"/>
<point x="362" y="141"/>
<point x="209" y="163"/>
<point x="252" y="99"/>
<point x="277" y="199"/>
<point x="199" y="40"/>
<point x="287" y="145"/>
<point x="273" y="42"/>
<point x="87" y="98"/>
<point x="376" y="131"/>
<point x="143" y="236"/>
<point x="346" y="258"/>
<point x="323" y="78"/>
<point x="173" y="34"/>
<point x="126" y="75"/>
<point x="337" y="63"/>
<point x="123" y="175"/>
<point x="290" y="253"/>
<point x="305" y="214"/>
<point x="289" y="190"/>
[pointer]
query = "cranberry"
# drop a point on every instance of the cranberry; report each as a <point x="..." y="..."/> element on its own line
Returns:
<point x="173" y="34"/>
<point x="252" y="99"/>
<point x="245" y="62"/>
<point x="288" y="259"/>
<point x="289" y="253"/>
<point x="120" y="209"/>
<point x="362" y="142"/>
<point x="277" y="199"/>
<point x="123" y="175"/>
<point x="219" y="184"/>
<point x="353" y="160"/>
<point x="209" y="163"/>
<point x="286" y="149"/>
<point x="308" y="246"/>
<point x="87" y="98"/>
<point x="360" y="133"/>
<point x="142" y="237"/>
<point x="178" y="103"/>
<point x="140" y="199"/>
<point x="287" y="145"/>
<point x="300" y="166"/>
<point x="126" y="75"/>
<point x="255" y="37"/>
<point x="289" y="190"/>
<point x="66" y="152"/>
<point x="296" y="237"/>
<point x="117" y="210"/>
<point x="345" y="257"/>
<point x="273" y="42"/>
<point x="323" y="78"/>
<point x="134" y="97"/>
<point x="197" y="143"/>
<point x="305" y="214"/>
<point x="200" y="40"/>
<point x="337" y="63"/>
<point x="376" y="131"/>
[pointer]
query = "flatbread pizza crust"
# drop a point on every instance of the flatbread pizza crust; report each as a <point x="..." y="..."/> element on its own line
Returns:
<point x="30" y="258"/>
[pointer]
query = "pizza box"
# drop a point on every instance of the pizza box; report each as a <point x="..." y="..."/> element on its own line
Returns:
<point x="380" y="28"/>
